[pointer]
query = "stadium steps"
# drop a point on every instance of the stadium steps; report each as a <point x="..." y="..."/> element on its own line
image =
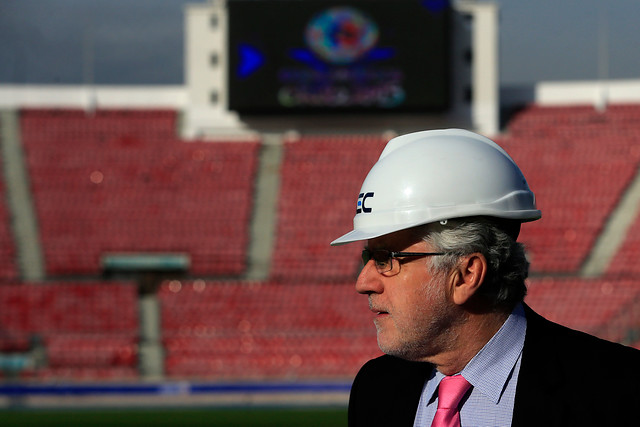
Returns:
<point x="616" y="230"/>
<point x="19" y="198"/>
<point x="8" y="266"/>
<point x="263" y="222"/>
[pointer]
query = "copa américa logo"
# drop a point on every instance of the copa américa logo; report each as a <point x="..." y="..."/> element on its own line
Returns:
<point x="362" y="199"/>
<point x="341" y="35"/>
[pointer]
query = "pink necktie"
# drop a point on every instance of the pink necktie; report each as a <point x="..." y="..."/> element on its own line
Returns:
<point x="450" y="392"/>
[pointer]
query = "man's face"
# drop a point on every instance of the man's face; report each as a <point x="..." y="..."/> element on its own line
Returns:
<point x="413" y="309"/>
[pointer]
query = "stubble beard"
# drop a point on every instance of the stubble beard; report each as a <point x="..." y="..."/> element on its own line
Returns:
<point x="433" y="333"/>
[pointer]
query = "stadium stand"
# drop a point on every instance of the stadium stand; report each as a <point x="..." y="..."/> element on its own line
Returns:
<point x="122" y="178"/>
<point x="85" y="330"/>
<point x="119" y="181"/>
<point x="251" y="330"/>
<point x="579" y="162"/>
<point x="320" y="180"/>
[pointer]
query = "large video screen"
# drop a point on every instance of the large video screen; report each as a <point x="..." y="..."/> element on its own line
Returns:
<point x="288" y="56"/>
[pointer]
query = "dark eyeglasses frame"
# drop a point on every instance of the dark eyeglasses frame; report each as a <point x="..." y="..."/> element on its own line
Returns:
<point x="368" y="255"/>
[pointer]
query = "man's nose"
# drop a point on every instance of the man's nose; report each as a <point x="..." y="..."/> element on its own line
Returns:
<point x="368" y="281"/>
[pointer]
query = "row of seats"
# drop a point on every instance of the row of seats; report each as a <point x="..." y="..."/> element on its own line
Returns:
<point x="261" y="329"/>
<point x="124" y="126"/>
<point x="272" y="357"/>
<point x="72" y="330"/>
<point x="69" y="307"/>
<point x="257" y="330"/>
<point x="576" y="119"/>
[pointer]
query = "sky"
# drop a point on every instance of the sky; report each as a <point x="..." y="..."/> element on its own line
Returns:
<point x="141" y="41"/>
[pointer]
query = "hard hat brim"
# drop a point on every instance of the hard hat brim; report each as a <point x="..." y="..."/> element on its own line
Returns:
<point x="358" y="235"/>
<point x="367" y="233"/>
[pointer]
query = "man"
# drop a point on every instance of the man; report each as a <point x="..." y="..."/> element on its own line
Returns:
<point x="445" y="278"/>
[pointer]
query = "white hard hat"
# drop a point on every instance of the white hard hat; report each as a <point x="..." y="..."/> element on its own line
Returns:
<point x="437" y="175"/>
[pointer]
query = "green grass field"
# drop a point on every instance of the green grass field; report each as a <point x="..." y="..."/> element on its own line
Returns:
<point x="258" y="417"/>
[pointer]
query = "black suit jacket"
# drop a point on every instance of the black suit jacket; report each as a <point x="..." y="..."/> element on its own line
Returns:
<point x="567" y="378"/>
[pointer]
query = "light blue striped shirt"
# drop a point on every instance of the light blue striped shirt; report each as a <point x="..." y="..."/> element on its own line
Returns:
<point x="493" y="373"/>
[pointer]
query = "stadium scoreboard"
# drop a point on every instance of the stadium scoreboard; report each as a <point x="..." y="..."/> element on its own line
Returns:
<point x="296" y="56"/>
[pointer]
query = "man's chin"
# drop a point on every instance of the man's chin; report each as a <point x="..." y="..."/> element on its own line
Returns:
<point x="400" y="351"/>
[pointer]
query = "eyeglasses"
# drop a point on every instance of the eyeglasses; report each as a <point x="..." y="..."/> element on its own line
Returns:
<point x="384" y="259"/>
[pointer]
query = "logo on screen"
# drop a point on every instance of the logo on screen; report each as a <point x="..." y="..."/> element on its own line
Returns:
<point x="341" y="35"/>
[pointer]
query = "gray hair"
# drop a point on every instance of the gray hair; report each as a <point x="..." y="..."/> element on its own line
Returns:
<point x="508" y="267"/>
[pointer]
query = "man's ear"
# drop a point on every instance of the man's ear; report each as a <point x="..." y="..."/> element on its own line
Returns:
<point x="469" y="276"/>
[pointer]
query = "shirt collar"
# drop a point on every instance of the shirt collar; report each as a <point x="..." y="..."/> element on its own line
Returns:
<point x="490" y="369"/>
